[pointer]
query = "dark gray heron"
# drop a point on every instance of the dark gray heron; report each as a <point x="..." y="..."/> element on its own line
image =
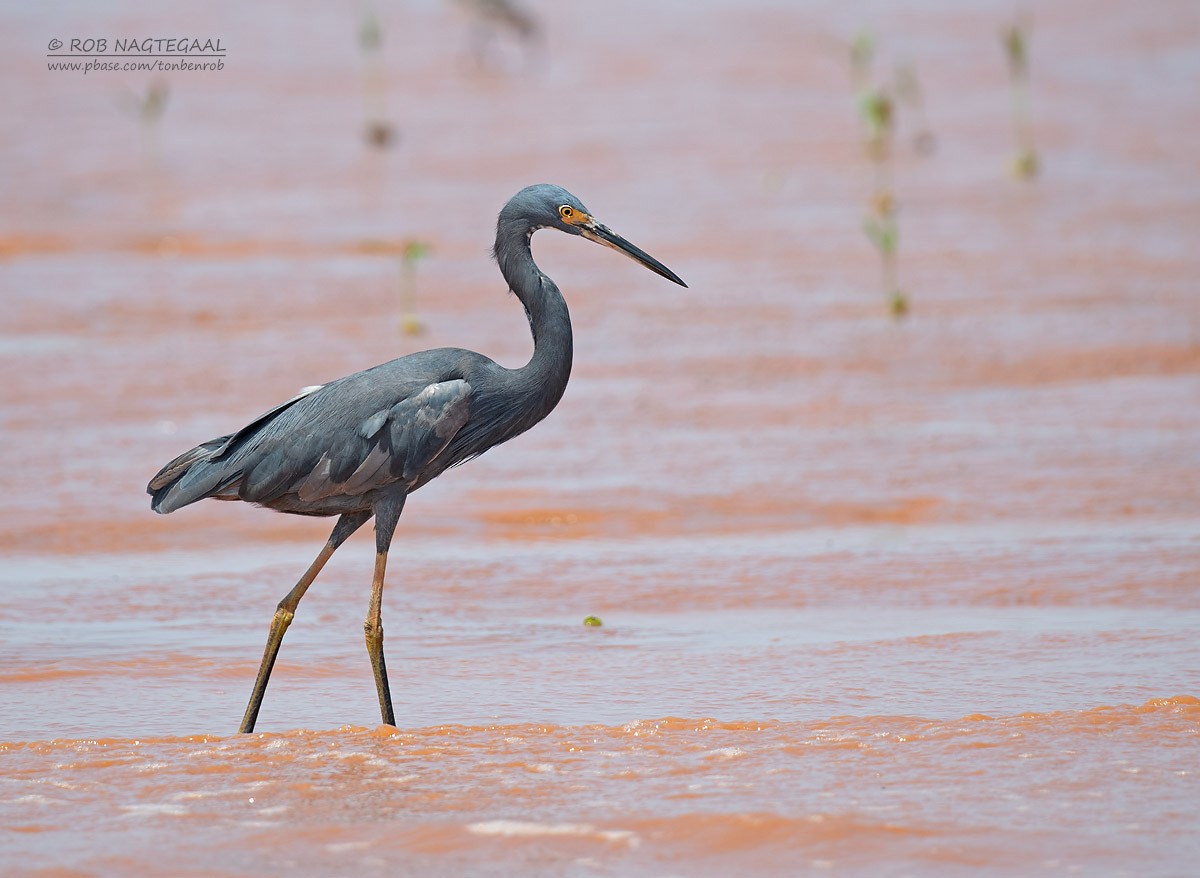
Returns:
<point x="358" y="446"/>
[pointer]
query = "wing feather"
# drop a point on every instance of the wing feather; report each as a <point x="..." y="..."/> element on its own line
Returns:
<point x="372" y="470"/>
<point x="396" y="444"/>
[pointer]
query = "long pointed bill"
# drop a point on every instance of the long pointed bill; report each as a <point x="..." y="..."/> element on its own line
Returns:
<point x="604" y="235"/>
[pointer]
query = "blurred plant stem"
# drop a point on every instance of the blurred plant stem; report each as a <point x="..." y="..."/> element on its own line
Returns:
<point x="149" y="108"/>
<point x="1024" y="164"/>
<point x="910" y="93"/>
<point x="491" y="18"/>
<point x="378" y="131"/>
<point x="877" y="109"/>
<point x="411" y="255"/>
<point x="862" y="57"/>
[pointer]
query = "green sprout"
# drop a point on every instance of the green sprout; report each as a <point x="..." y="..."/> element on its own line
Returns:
<point x="411" y="255"/>
<point x="862" y="56"/>
<point x="592" y="622"/>
<point x="1016" y="48"/>
<point x="370" y="34"/>
<point x="877" y="106"/>
<point x="149" y="109"/>
<point x="883" y="231"/>
<point x="878" y="112"/>
<point x="1024" y="163"/>
<point x="379" y="132"/>
<point x="877" y="109"/>
<point x="910" y="93"/>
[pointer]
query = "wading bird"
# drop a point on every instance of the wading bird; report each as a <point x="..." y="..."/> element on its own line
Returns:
<point x="358" y="446"/>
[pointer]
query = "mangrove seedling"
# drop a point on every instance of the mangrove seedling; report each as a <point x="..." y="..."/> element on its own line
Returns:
<point x="149" y="109"/>
<point x="862" y="56"/>
<point x="910" y="93"/>
<point x="378" y="131"/>
<point x="1024" y="164"/>
<point x="884" y="232"/>
<point x="410" y="256"/>
<point x="878" y="112"/>
<point x="489" y="19"/>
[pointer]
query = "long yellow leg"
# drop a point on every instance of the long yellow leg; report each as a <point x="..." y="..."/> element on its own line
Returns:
<point x="387" y="514"/>
<point x="373" y="629"/>
<point x="284" y="614"/>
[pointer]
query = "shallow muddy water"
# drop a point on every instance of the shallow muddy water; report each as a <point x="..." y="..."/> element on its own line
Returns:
<point x="879" y="598"/>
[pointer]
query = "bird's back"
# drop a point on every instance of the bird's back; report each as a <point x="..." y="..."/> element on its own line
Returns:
<point x="331" y="450"/>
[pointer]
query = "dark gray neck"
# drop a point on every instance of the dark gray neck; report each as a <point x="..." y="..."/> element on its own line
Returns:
<point x="544" y="378"/>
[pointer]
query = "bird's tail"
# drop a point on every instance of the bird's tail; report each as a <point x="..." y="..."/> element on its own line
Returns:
<point x="194" y="475"/>
<point x="213" y="468"/>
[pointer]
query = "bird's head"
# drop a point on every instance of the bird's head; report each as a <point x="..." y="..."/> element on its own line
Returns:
<point x="545" y="206"/>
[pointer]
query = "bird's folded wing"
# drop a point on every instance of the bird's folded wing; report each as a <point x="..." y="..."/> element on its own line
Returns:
<point x="206" y="476"/>
<point x="395" y="444"/>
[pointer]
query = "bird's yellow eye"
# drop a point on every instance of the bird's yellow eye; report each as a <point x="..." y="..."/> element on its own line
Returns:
<point x="566" y="212"/>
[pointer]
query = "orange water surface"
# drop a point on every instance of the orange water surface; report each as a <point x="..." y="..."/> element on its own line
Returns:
<point x="879" y="597"/>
